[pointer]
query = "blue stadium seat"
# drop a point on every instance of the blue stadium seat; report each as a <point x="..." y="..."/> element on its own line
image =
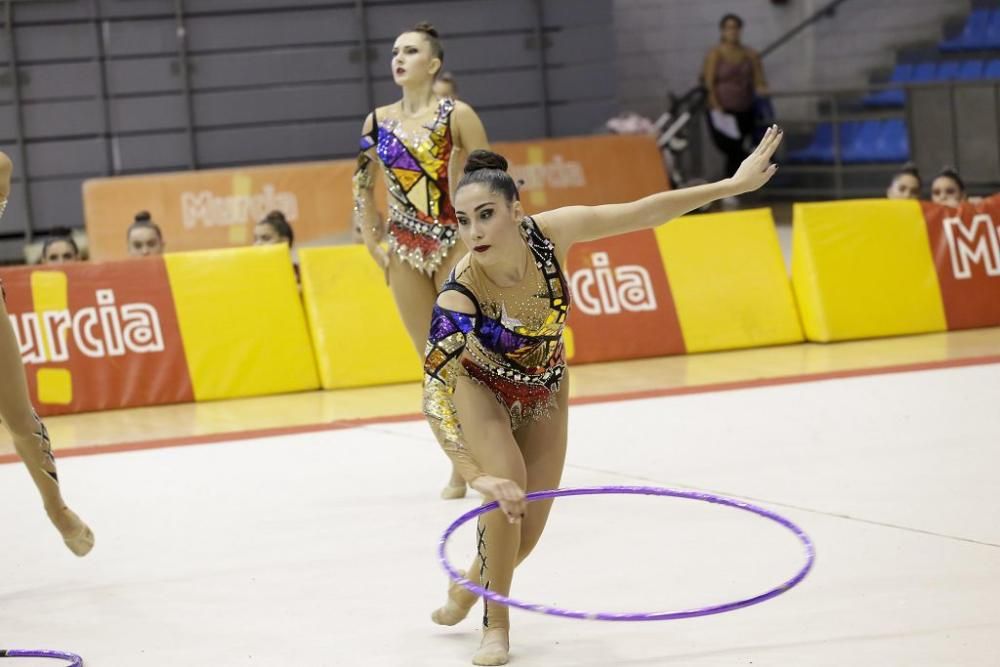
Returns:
<point x="947" y="71"/>
<point x="892" y="98"/>
<point x="992" y="71"/>
<point x="993" y="32"/>
<point x="822" y="144"/>
<point x="863" y="143"/>
<point x="820" y="151"/>
<point x="893" y="144"/>
<point x="860" y="142"/>
<point x="924" y="73"/>
<point x="848" y="133"/>
<point x="971" y="70"/>
<point x="975" y="34"/>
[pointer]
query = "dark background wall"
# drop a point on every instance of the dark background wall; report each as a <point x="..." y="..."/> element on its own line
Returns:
<point x="107" y="87"/>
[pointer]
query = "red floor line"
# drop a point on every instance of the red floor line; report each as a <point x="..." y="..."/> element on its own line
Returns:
<point x="340" y="424"/>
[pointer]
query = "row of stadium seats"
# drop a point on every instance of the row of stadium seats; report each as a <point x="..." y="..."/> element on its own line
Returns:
<point x="868" y="141"/>
<point x="951" y="70"/>
<point x="981" y="33"/>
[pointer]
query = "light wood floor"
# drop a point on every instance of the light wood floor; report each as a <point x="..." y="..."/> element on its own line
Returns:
<point x="592" y="382"/>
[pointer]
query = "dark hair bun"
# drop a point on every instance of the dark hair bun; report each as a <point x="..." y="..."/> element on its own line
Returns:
<point x="426" y="27"/>
<point x="143" y="216"/>
<point x="480" y="159"/>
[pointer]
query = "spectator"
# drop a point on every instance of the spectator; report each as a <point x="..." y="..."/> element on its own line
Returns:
<point x="273" y="229"/>
<point x="144" y="236"/>
<point x="906" y="184"/>
<point x="733" y="78"/>
<point x="60" y="249"/>
<point x="445" y="86"/>
<point x="947" y="188"/>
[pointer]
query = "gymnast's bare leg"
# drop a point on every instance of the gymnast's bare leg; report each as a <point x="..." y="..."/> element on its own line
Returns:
<point x="31" y="441"/>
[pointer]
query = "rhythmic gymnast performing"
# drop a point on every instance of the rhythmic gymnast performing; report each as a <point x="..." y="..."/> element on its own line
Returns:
<point x="31" y="439"/>
<point x="418" y="142"/>
<point x="496" y="387"/>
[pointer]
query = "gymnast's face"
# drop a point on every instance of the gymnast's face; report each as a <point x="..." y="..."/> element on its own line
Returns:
<point x="266" y="234"/>
<point x="487" y="223"/>
<point x="904" y="186"/>
<point x="60" y="252"/>
<point x="945" y="190"/>
<point x="144" y="241"/>
<point x="412" y="60"/>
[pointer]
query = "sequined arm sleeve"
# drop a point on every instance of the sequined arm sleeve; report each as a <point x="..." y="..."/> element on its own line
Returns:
<point x="442" y="366"/>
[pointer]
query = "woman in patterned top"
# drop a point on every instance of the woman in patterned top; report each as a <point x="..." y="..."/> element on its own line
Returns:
<point x="415" y="142"/>
<point x="31" y="440"/>
<point x="495" y="382"/>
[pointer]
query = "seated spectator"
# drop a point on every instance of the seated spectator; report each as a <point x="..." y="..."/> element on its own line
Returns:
<point x="947" y="188"/>
<point x="906" y="184"/>
<point x="273" y="229"/>
<point x="144" y="236"/>
<point x="445" y="86"/>
<point x="60" y="249"/>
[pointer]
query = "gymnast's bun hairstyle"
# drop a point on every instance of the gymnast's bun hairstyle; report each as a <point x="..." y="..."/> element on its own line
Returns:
<point x="430" y="33"/>
<point x="480" y="159"/>
<point x="490" y="169"/>
<point x="143" y="220"/>
<point x="279" y="222"/>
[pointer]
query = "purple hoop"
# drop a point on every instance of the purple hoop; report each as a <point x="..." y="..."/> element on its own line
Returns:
<point x="75" y="660"/>
<point x="637" y="616"/>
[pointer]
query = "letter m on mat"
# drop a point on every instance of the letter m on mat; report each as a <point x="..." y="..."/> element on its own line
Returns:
<point x="971" y="244"/>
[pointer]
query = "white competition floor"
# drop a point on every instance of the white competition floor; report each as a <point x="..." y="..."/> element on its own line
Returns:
<point x="318" y="549"/>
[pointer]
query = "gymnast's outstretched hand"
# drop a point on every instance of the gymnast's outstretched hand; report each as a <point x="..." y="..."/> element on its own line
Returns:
<point x="757" y="169"/>
<point x="504" y="491"/>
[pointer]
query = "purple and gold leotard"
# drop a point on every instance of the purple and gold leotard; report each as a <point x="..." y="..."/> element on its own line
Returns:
<point x="422" y="226"/>
<point x="513" y="344"/>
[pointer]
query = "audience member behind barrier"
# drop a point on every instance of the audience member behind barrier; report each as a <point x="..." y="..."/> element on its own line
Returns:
<point x="144" y="236"/>
<point x="60" y="248"/>
<point x="948" y="188"/>
<point x="906" y="183"/>
<point x="274" y="229"/>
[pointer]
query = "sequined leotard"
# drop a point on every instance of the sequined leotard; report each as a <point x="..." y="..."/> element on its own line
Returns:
<point x="422" y="227"/>
<point x="513" y="344"/>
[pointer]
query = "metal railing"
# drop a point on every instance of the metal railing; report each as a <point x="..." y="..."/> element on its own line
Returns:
<point x="828" y="11"/>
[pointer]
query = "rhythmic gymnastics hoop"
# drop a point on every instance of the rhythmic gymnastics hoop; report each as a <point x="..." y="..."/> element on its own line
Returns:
<point x="74" y="659"/>
<point x="631" y="616"/>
